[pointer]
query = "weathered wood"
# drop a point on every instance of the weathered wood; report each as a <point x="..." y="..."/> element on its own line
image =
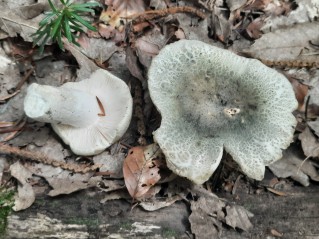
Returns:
<point x="295" y="215"/>
<point x="80" y="215"/>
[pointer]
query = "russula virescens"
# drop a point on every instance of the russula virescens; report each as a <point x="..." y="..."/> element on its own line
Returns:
<point x="211" y="99"/>
<point x="88" y="115"/>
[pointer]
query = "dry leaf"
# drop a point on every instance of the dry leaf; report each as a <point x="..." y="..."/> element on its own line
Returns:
<point x="91" y="47"/>
<point x="205" y="217"/>
<point x="118" y="10"/>
<point x="32" y="10"/>
<point x="156" y="204"/>
<point x="294" y="165"/>
<point x="112" y="164"/>
<point x="301" y="92"/>
<point x="133" y="64"/>
<point x="253" y="29"/>
<point x="306" y="11"/>
<point x="235" y="4"/>
<point x="26" y="195"/>
<point x="149" y="45"/>
<point x="274" y="191"/>
<point x="314" y="125"/>
<point x="276" y="233"/>
<point x="119" y="194"/>
<point x="286" y="44"/>
<point x="309" y="143"/>
<point x="220" y="27"/>
<point x="140" y="169"/>
<point x="86" y="65"/>
<point x="238" y="217"/>
<point x="12" y="24"/>
<point x="61" y="181"/>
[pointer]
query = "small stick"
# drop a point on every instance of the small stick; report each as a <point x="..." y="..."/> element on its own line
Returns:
<point x="24" y="79"/>
<point x="152" y="14"/>
<point x="292" y="63"/>
<point x="41" y="158"/>
<point x="14" y="127"/>
<point x="18" y="87"/>
<point x="4" y="98"/>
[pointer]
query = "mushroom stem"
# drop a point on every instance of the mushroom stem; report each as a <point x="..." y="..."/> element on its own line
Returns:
<point x="61" y="105"/>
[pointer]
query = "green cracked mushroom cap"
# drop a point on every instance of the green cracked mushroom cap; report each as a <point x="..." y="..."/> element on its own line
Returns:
<point x="211" y="99"/>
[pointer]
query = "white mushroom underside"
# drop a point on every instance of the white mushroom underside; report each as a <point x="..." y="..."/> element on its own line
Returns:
<point x="117" y="103"/>
<point x="210" y="98"/>
<point x="76" y="114"/>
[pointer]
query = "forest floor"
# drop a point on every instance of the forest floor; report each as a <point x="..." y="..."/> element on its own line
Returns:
<point x="89" y="196"/>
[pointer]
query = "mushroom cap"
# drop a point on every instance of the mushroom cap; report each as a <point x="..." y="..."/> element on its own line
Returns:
<point x="117" y="101"/>
<point x="211" y="99"/>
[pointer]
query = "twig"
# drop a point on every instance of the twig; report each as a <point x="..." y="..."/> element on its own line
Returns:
<point x="152" y="14"/>
<point x="41" y="158"/>
<point x="18" y="87"/>
<point x="292" y="63"/>
<point x="138" y="113"/>
<point x="4" y="98"/>
<point x="13" y="127"/>
<point x="24" y="79"/>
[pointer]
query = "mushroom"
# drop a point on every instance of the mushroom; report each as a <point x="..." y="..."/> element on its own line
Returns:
<point x="211" y="99"/>
<point x="88" y="115"/>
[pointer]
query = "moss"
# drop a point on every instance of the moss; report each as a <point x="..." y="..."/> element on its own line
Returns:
<point x="6" y="204"/>
<point x="89" y="222"/>
<point x="169" y="233"/>
<point x="126" y="226"/>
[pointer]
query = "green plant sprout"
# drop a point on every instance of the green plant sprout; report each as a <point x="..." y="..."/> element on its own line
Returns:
<point x="64" y="22"/>
<point x="6" y="204"/>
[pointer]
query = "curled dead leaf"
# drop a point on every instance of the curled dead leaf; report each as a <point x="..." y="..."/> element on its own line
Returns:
<point x="26" y="195"/>
<point x="117" y="12"/>
<point x="309" y="143"/>
<point x="141" y="169"/>
<point x="301" y="92"/>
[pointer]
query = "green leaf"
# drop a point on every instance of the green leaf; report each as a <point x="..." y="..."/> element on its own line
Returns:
<point x="89" y="4"/>
<point x="83" y="22"/>
<point x="52" y="7"/>
<point x="38" y="31"/>
<point x="45" y="20"/>
<point x="59" y="40"/>
<point x="67" y="30"/>
<point x="82" y="9"/>
<point x="40" y="34"/>
<point x="62" y="1"/>
<point x="41" y="48"/>
<point x="75" y="28"/>
<point x="74" y="23"/>
<point x="56" y="26"/>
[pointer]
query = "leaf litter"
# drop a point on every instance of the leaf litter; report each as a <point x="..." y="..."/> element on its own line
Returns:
<point x="285" y="35"/>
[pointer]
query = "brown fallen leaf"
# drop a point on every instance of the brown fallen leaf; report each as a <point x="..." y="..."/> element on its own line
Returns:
<point x="314" y="125"/>
<point x="275" y="233"/>
<point x="287" y="44"/>
<point x="294" y="165"/>
<point x="309" y="143"/>
<point x="274" y="191"/>
<point x="253" y="29"/>
<point x="117" y="11"/>
<point x="141" y="169"/>
<point x="300" y="90"/>
<point x="26" y="195"/>
<point x="206" y="217"/>
<point x="238" y="217"/>
<point x="156" y="204"/>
